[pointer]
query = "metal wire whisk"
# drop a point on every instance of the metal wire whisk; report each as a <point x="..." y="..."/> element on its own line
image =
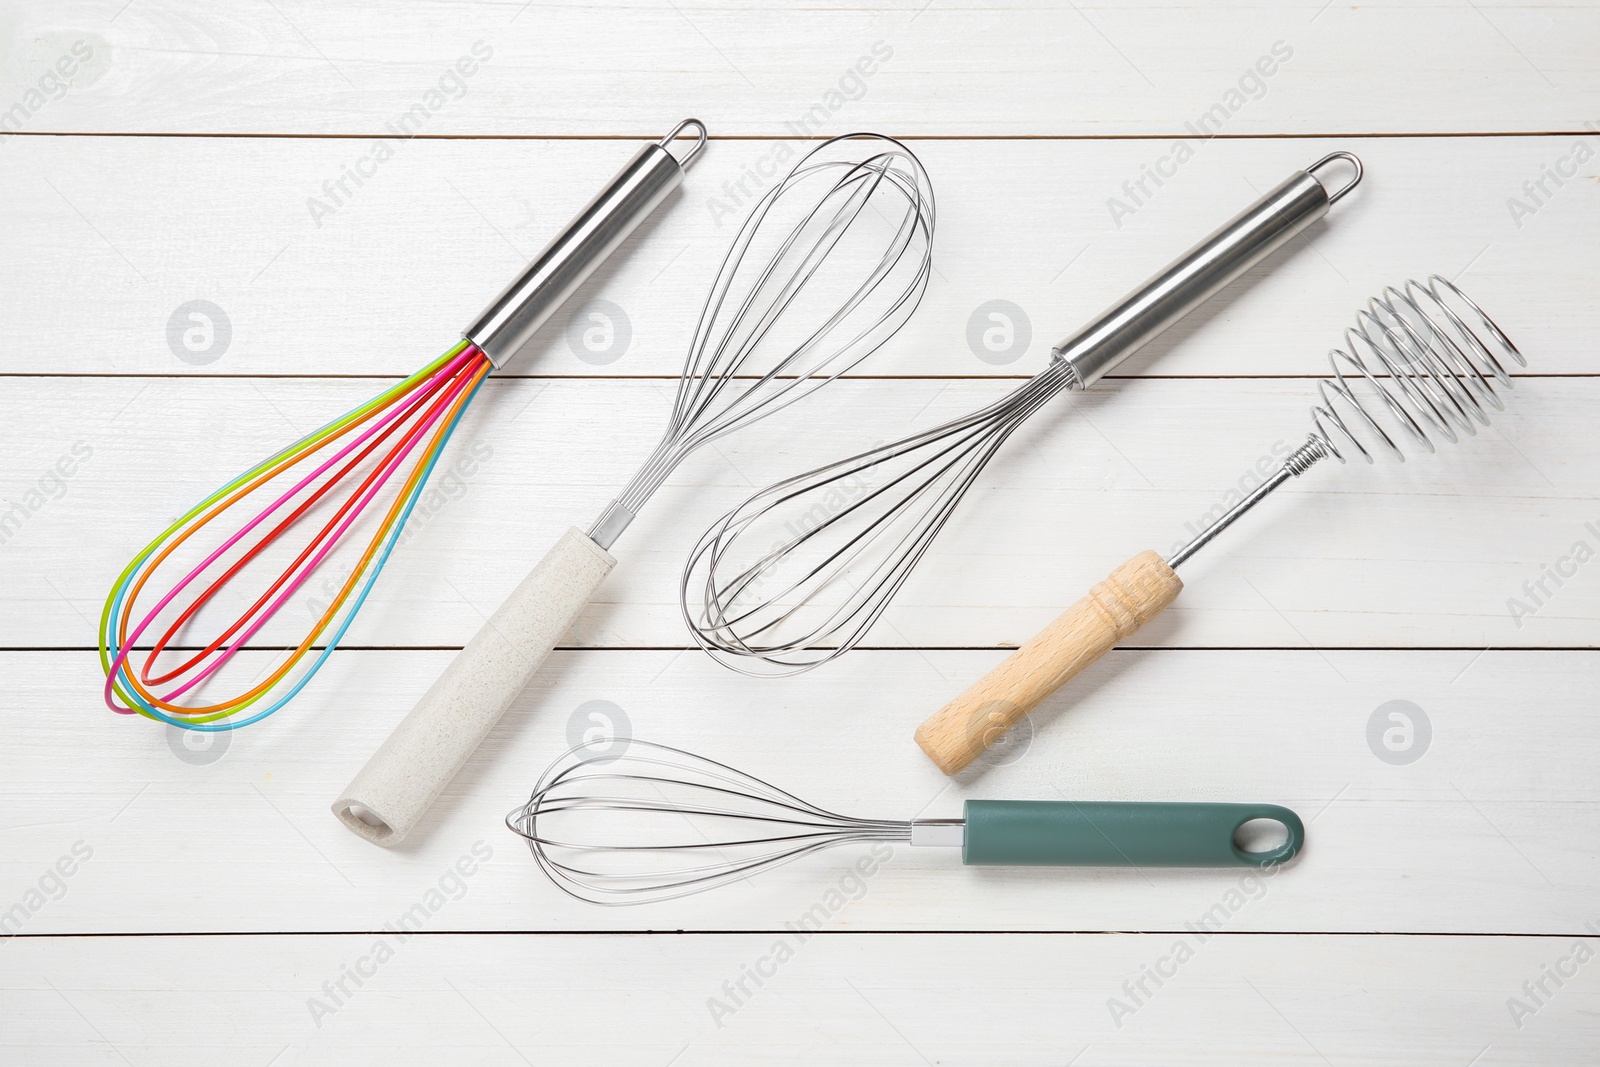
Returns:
<point x="655" y="823"/>
<point x="748" y="311"/>
<point x="797" y="574"/>
<point x="1423" y="361"/>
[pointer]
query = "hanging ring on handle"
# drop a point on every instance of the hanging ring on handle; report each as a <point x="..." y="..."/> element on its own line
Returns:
<point x="700" y="140"/>
<point x="1348" y="157"/>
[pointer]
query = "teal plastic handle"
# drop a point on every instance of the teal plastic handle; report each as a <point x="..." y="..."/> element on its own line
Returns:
<point x="1065" y="833"/>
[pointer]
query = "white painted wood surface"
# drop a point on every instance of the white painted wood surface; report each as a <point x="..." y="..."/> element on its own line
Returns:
<point x="111" y="234"/>
<point x="1433" y="897"/>
<point x="880" y="999"/>
<point x="1028" y="69"/>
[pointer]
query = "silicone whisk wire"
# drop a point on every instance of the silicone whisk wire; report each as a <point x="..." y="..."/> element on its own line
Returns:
<point x="414" y="418"/>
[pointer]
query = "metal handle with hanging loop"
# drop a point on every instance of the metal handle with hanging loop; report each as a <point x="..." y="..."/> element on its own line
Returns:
<point x="1198" y="274"/>
<point x="513" y="317"/>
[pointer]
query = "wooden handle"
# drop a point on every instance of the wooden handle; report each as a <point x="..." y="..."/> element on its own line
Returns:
<point x="1113" y="611"/>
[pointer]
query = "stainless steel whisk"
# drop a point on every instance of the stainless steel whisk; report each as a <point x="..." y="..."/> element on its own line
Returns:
<point x="828" y="265"/>
<point x="655" y="823"/>
<point x="797" y="574"/>
<point x="1422" y="361"/>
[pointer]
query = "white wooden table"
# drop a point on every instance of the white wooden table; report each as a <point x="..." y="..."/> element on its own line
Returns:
<point x="1446" y="909"/>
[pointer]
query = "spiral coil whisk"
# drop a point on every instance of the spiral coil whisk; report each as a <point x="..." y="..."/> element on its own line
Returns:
<point x="1422" y="364"/>
<point x="1423" y="361"/>
<point x="657" y="823"/>
<point x="1426" y="362"/>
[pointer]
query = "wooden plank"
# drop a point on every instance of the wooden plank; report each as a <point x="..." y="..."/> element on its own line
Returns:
<point x="1488" y="830"/>
<point x="1443" y="911"/>
<point x="977" y="69"/>
<point x="889" y="1000"/>
<point x="111" y="237"/>
<point x="1446" y="550"/>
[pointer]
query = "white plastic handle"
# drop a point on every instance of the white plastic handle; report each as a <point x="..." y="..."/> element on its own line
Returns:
<point x="384" y="802"/>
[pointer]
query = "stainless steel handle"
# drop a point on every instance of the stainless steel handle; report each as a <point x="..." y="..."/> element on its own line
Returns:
<point x="555" y="274"/>
<point x="1199" y="273"/>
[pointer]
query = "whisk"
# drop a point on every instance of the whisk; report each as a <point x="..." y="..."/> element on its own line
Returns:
<point x="1422" y="361"/>
<point x="799" y="573"/>
<point x="657" y="823"/>
<point x="324" y="489"/>
<point x="828" y="265"/>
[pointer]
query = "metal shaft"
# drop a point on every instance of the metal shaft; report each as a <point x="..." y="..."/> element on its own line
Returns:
<point x="513" y="317"/>
<point x="1299" y="461"/>
<point x="1201" y="272"/>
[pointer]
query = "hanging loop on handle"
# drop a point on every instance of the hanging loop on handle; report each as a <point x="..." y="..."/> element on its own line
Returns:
<point x="1347" y="157"/>
<point x="694" y="149"/>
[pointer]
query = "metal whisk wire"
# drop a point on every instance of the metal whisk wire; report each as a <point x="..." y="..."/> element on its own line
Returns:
<point x="816" y="591"/>
<point x="1423" y="361"/>
<point x="702" y="824"/>
<point x="734" y="324"/>
<point x="780" y="597"/>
